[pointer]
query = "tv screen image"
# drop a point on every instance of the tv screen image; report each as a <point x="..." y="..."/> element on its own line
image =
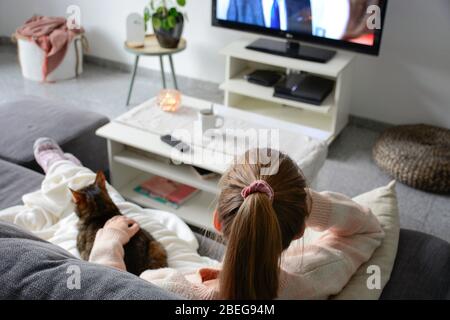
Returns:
<point x="347" y="24"/>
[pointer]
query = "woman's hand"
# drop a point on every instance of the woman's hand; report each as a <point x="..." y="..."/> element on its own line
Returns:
<point x="124" y="224"/>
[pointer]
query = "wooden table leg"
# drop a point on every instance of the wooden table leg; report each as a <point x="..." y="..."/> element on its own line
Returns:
<point x="130" y="90"/>
<point x="163" y="74"/>
<point x="173" y="72"/>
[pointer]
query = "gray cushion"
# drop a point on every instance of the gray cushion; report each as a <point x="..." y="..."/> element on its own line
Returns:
<point x="34" y="269"/>
<point x="421" y="269"/>
<point x="23" y="121"/>
<point x="16" y="181"/>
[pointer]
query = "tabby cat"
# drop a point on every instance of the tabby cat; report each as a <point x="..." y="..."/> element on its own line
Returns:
<point x="94" y="207"/>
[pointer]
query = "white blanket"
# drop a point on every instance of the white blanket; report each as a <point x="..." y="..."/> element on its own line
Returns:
<point x="49" y="214"/>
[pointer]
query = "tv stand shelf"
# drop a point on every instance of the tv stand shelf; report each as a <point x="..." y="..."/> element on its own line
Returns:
<point x="331" y="69"/>
<point x="331" y="116"/>
<point x="238" y="84"/>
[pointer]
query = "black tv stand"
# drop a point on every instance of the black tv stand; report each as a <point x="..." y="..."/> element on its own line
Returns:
<point x="292" y="49"/>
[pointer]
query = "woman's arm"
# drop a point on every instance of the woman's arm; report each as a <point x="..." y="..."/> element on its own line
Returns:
<point x="351" y="233"/>
<point x="109" y="241"/>
<point x="188" y="286"/>
<point x="340" y="215"/>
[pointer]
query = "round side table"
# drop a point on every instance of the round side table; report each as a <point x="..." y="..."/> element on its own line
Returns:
<point x="152" y="48"/>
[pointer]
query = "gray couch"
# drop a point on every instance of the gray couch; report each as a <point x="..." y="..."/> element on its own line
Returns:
<point x="22" y="120"/>
<point x="31" y="268"/>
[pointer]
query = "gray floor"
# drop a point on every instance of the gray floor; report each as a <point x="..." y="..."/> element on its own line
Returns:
<point x="349" y="168"/>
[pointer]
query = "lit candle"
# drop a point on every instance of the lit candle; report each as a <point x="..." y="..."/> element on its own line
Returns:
<point x="169" y="100"/>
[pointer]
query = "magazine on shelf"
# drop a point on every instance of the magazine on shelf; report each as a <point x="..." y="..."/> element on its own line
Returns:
<point x="166" y="191"/>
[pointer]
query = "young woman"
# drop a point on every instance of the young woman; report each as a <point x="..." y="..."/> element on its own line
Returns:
<point x="260" y="216"/>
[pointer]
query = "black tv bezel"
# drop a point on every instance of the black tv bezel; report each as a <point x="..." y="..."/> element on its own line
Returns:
<point x="339" y="44"/>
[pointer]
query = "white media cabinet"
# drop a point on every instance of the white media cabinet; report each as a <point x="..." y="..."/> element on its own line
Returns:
<point x="329" y="118"/>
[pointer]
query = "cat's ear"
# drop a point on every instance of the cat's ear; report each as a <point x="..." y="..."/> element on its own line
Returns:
<point x="77" y="196"/>
<point x="100" y="180"/>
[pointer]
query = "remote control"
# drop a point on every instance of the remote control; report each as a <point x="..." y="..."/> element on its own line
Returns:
<point x="178" y="144"/>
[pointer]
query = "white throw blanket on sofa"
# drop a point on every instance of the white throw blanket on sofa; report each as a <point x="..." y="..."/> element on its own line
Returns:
<point x="49" y="214"/>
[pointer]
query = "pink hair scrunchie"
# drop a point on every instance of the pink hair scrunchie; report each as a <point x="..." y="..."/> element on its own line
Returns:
<point x="258" y="186"/>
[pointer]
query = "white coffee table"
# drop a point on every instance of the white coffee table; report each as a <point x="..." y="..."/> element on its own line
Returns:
<point x="136" y="154"/>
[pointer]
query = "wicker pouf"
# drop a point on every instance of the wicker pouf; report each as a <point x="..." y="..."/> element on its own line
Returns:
<point x="416" y="155"/>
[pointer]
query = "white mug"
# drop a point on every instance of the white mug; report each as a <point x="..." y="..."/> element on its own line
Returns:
<point x="208" y="120"/>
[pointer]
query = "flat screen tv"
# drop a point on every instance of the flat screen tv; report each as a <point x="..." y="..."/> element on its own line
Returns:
<point x="355" y="25"/>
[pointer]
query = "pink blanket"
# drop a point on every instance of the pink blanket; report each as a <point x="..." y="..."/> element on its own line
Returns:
<point x="52" y="35"/>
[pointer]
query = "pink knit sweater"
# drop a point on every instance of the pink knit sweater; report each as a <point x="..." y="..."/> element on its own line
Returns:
<point x="317" y="271"/>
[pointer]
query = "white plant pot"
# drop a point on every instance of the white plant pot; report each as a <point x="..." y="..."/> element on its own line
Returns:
<point x="32" y="57"/>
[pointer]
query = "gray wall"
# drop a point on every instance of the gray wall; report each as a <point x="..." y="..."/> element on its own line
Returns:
<point x="410" y="80"/>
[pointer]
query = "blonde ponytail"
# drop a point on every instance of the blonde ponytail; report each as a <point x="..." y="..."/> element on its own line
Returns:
<point x="259" y="216"/>
<point x="252" y="259"/>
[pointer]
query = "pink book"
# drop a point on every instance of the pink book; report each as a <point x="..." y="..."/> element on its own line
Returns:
<point x="173" y="191"/>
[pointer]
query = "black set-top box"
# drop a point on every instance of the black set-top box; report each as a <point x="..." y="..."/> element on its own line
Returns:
<point x="304" y="87"/>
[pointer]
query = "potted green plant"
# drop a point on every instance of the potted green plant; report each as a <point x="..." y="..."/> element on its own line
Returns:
<point x="167" y="21"/>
